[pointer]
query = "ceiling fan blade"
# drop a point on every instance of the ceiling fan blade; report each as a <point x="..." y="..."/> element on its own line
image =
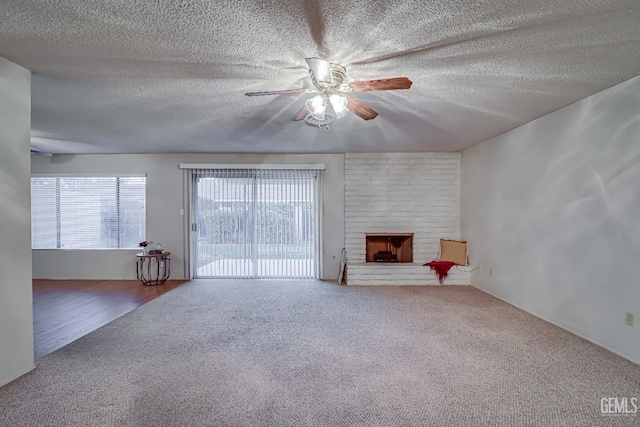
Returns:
<point x="276" y="92"/>
<point x="300" y="115"/>
<point x="321" y="69"/>
<point x="394" y="83"/>
<point x="360" y="109"/>
<point x="42" y="153"/>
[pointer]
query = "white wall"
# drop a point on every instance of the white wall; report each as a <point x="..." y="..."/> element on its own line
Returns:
<point x="165" y="198"/>
<point x="554" y="208"/>
<point x="16" y="313"/>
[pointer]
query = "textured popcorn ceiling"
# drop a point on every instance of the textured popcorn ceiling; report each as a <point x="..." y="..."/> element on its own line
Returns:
<point x="133" y="76"/>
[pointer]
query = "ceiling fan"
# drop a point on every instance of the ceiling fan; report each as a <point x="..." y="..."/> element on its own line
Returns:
<point x="333" y="100"/>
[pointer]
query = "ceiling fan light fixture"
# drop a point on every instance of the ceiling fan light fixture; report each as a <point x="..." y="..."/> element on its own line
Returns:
<point x="317" y="107"/>
<point x="325" y="109"/>
<point x="339" y="104"/>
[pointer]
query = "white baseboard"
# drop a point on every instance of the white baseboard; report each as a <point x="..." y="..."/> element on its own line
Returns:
<point x="591" y="340"/>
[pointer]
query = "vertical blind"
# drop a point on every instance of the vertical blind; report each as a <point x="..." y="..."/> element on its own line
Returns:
<point x="87" y="212"/>
<point x="260" y="223"/>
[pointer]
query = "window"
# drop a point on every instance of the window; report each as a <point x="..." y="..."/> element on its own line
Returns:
<point x="255" y="222"/>
<point x="87" y="212"/>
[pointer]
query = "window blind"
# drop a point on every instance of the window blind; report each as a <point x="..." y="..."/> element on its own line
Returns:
<point x="87" y="212"/>
<point x="260" y="223"/>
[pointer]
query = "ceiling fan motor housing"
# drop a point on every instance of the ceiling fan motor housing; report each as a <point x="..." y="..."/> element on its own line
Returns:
<point x="338" y="72"/>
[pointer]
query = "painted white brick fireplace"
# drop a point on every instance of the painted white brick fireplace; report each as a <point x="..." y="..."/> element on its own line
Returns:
<point x="415" y="193"/>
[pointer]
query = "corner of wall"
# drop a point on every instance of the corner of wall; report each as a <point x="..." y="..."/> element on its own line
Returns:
<point x="16" y="308"/>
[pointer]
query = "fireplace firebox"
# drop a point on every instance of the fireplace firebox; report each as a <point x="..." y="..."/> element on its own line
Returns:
<point x="389" y="247"/>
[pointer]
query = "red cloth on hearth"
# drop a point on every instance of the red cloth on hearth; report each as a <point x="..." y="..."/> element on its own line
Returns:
<point x="441" y="268"/>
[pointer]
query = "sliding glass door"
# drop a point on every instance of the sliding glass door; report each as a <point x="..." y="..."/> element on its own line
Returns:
<point x="258" y="223"/>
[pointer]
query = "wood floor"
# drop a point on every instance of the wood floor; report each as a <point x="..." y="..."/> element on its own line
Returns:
<point x="65" y="310"/>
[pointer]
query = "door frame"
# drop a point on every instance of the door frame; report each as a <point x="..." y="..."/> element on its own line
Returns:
<point x="190" y="229"/>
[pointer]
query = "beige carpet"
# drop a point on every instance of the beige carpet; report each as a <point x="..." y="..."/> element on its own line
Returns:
<point x="311" y="353"/>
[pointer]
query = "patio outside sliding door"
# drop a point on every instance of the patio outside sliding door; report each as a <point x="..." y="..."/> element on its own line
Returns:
<point x="255" y="223"/>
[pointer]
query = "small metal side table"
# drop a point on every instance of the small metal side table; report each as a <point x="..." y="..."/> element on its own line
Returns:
<point x="149" y="273"/>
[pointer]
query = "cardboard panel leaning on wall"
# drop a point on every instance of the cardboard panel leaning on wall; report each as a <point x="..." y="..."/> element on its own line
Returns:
<point x="165" y="198"/>
<point x="16" y="311"/>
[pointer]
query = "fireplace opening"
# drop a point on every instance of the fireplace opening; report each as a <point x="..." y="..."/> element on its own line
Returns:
<point x="389" y="247"/>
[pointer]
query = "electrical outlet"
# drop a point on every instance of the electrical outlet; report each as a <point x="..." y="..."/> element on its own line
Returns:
<point x="480" y="268"/>
<point x="628" y="318"/>
<point x="491" y="272"/>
